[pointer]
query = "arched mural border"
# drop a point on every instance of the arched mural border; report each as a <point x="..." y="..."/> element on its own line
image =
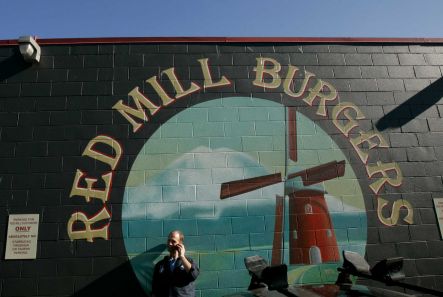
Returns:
<point x="309" y="111"/>
<point x="169" y="111"/>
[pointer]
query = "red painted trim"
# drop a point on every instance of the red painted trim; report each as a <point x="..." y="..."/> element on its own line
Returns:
<point x="119" y="40"/>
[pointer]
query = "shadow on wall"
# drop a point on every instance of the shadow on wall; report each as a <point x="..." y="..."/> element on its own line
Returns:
<point x="12" y="65"/>
<point x="412" y="107"/>
<point x="121" y="281"/>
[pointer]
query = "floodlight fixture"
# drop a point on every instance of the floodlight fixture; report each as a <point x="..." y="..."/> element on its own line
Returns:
<point x="29" y="49"/>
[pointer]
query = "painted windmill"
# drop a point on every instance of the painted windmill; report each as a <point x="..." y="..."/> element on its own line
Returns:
<point x="311" y="233"/>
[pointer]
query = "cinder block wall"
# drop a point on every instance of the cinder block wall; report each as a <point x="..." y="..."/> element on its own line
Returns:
<point x="141" y="137"/>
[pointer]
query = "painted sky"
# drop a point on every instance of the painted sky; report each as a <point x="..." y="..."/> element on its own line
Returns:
<point x="227" y="18"/>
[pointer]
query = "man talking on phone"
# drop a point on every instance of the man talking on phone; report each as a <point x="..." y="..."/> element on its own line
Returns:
<point x="175" y="275"/>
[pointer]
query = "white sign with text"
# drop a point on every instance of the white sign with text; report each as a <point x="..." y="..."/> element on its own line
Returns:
<point x="21" y="242"/>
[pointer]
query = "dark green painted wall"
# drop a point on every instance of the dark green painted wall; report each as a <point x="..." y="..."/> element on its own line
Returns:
<point x="50" y="111"/>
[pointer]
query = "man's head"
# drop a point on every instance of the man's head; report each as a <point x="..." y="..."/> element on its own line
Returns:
<point x="175" y="237"/>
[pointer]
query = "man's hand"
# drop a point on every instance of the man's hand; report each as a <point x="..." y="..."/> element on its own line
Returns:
<point x="181" y="253"/>
<point x="181" y="250"/>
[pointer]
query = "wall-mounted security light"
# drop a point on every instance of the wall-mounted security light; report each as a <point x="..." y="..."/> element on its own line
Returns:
<point x="29" y="49"/>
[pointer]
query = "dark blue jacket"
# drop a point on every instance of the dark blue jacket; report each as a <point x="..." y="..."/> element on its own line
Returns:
<point x="176" y="283"/>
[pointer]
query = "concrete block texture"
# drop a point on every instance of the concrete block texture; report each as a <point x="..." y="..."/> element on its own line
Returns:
<point x="322" y="147"/>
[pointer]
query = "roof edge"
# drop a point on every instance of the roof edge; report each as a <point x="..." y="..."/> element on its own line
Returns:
<point x="119" y="40"/>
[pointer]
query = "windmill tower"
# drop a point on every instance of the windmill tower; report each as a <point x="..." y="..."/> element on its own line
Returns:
<point x="312" y="238"/>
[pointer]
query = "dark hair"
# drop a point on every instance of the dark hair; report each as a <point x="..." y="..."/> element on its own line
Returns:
<point x="180" y="234"/>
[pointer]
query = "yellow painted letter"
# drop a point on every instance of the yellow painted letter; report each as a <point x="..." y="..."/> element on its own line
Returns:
<point x="395" y="214"/>
<point x="208" y="77"/>
<point x="318" y="91"/>
<point x="139" y="113"/>
<point x="170" y="73"/>
<point x="383" y="169"/>
<point x="110" y="160"/>
<point x="345" y="107"/>
<point x="89" y="192"/>
<point x="287" y="82"/>
<point x="160" y="91"/>
<point x="88" y="233"/>
<point x="368" y="138"/>
<point x="272" y="72"/>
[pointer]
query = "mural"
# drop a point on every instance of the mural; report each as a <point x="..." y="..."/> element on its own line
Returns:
<point x="291" y="150"/>
<point x="243" y="176"/>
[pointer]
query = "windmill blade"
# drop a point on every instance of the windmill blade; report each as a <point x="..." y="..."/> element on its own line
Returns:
<point x="237" y="187"/>
<point x="292" y="133"/>
<point x="277" y="243"/>
<point x="321" y="173"/>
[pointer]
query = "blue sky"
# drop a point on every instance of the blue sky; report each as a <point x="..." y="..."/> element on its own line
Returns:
<point x="226" y="18"/>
